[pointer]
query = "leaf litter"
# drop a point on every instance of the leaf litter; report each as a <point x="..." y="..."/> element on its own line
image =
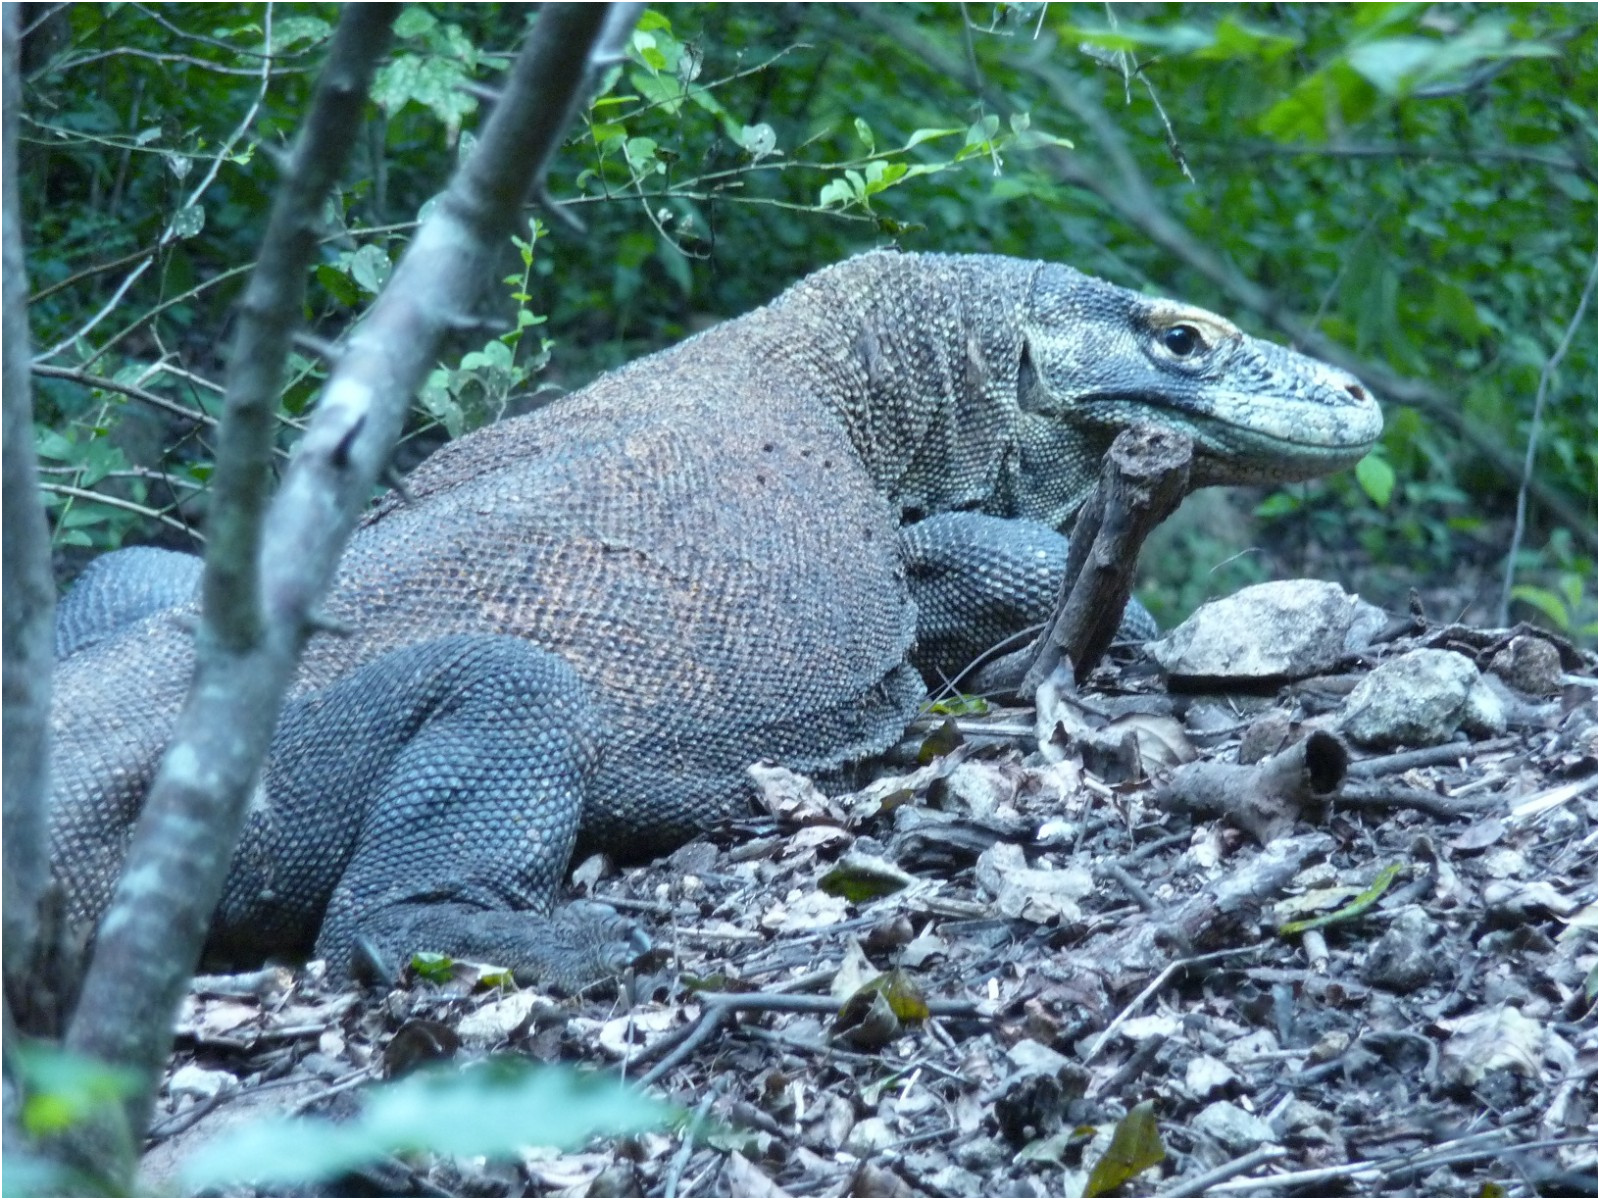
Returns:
<point x="1022" y="969"/>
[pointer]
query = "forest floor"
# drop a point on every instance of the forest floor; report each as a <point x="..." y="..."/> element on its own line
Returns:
<point x="1047" y="968"/>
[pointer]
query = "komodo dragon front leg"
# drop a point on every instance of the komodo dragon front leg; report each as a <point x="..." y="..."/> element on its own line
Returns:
<point x="980" y="581"/>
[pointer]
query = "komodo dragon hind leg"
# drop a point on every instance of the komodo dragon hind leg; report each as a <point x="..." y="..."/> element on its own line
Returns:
<point x="431" y="798"/>
<point x="977" y="580"/>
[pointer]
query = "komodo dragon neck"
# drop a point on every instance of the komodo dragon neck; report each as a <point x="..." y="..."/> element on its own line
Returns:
<point x="976" y="382"/>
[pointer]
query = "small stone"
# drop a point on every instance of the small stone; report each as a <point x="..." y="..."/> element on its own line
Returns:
<point x="1235" y="1130"/>
<point x="868" y="1137"/>
<point x="1529" y="664"/>
<point x="1206" y="1076"/>
<point x="1418" y="699"/>
<point x="1484" y="715"/>
<point x="1287" y="629"/>
<point x="1407" y="954"/>
<point x="1029" y="1055"/>
<point x="1269" y="733"/>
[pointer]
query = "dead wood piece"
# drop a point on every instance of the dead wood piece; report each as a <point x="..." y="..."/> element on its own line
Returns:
<point x="1396" y="796"/>
<point x="1431" y="756"/>
<point x="1266" y="798"/>
<point x="1142" y="478"/>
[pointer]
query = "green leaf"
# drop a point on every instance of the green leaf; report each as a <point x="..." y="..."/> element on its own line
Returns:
<point x="1376" y="478"/>
<point x="370" y="268"/>
<point x="758" y="141"/>
<point x="1350" y="911"/>
<point x="189" y="221"/>
<point x="667" y="93"/>
<point x="859" y="882"/>
<point x="676" y="265"/>
<point x="1279" y="504"/>
<point x="982" y="132"/>
<point x="881" y="175"/>
<point x="1546" y="601"/>
<point x="927" y="135"/>
<point x="960" y="705"/>
<point x="493" y="1110"/>
<point x="1335" y="96"/>
<point x="1135" y="1146"/>
<point x="836" y="192"/>
<point x="641" y="153"/>
<point x="338" y="284"/>
<point x="289" y="31"/>
<point x="1392" y="64"/>
<point x="494" y="355"/>
<point x="437" y="83"/>
<point x="63" y="1089"/>
<point x="414" y="21"/>
<point x="864" y="132"/>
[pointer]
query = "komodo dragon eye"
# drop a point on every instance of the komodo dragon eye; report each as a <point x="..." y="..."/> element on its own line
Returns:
<point x="1183" y="340"/>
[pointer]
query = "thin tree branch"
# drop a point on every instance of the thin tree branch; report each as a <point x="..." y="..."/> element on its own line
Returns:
<point x="142" y="395"/>
<point x="29" y="592"/>
<point x="245" y="663"/>
<point x="154" y="928"/>
<point x="1545" y="376"/>
<point x="1228" y="152"/>
<point x="144" y="510"/>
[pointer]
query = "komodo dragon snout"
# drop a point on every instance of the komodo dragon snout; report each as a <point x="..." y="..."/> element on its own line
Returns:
<point x="582" y="625"/>
<point x="1256" y="411"/>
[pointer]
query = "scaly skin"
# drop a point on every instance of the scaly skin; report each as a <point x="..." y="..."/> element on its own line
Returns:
<point x="588" y="621"/>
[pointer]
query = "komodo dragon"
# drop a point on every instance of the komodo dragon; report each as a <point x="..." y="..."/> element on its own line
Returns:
<point x="582" y="625"/>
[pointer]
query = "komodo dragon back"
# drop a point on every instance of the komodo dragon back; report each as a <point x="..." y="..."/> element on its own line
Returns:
<point x="584" y="624"/>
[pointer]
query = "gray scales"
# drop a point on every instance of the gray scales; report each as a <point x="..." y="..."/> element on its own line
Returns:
<point x="584" y="624"/>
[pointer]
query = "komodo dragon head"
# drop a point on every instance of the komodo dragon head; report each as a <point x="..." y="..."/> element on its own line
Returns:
<point x="1097" y="358"/>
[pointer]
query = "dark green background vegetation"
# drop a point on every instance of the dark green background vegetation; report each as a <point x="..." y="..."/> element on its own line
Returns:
<point x="1414" y="182"/>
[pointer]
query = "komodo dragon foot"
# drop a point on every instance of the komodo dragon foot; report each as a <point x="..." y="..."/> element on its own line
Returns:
<point x="430" y="801"/>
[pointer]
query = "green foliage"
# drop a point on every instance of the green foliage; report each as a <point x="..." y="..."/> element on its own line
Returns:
<point x="494" y="1109"/>
<point x="478" y="389"/>
<point x="60" y="1091"/>
<point x="1415" y="181"/>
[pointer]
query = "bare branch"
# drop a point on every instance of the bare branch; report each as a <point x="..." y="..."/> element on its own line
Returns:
<point x="1545" y="376"/>
<point x="29" y="599"/>
<point x="154" y="929"/>
<point x="144" y="510"/>
<point x="142" y="395"/>
<point x="245" y="664"/>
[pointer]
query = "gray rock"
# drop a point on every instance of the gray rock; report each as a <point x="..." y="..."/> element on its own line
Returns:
<point x="1418" y="699"/>
<point x="1406" y="956"/>
<point x="1284" y="630"/>
<point x="1230" y="1126"/>
<point x="1484" y="715"/>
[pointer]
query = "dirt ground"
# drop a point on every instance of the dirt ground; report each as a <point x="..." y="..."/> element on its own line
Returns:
<point x="1043" y="968"/>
